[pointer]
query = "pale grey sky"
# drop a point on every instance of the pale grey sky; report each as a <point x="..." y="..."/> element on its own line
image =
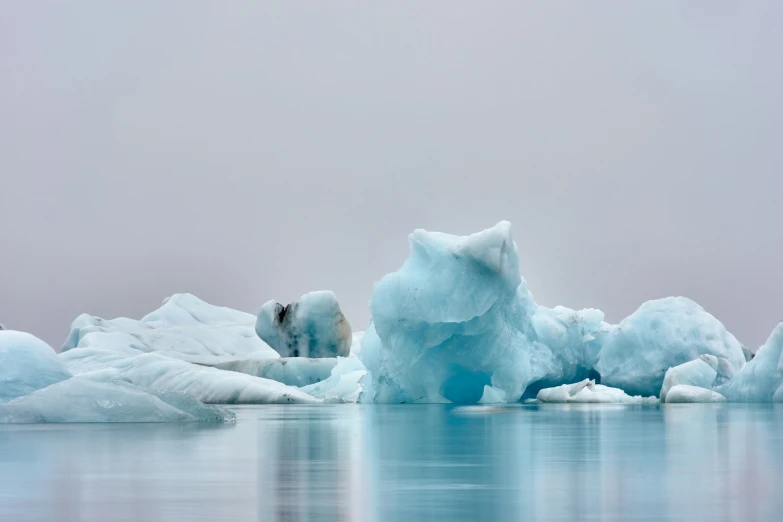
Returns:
<point x="246" y="151"/>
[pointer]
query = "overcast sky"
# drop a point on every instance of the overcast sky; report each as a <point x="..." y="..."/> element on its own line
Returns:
<point x="247" y="151"/>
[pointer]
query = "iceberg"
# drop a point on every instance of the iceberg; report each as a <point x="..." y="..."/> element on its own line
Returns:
<point x="587" y="391"/>
<point x="84" y="400"/>
<point x="27" y="364"/>
<point x="457" y="317"/>
<point x="662" y="334"/>
<point x="760" y="380"/>
<point x="700" y="372"/>
<point x="153" y="371"/>
<point x="184" y="327"/>
<point x="314" y="327"/>
<point x="687" y="393"/>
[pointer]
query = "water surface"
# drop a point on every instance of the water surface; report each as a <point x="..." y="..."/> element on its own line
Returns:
<point x="405" y="463"/>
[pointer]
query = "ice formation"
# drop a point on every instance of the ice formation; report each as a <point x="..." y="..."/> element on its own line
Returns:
<point x="184" y="327"/>
<point x="456" y="323"/>
<point x="700" y="372"/>
<point x="164" y="374"/>
<point x="588" y="391"/>
<point x="26" y="364"/>
<point x="293" y="371"/>
<point x="458" y="317"/>
<point x="346" y="383"/>
<point x="659" y="335"/>
<point x="314" y="326"/>
<point x="688" y="393"/>
<point x="761" y="379"/>
<point x="83" y="400"/>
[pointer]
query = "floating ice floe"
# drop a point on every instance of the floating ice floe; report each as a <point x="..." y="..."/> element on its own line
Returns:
<point x="687" y="393"/>
<point x="313" y="326"/>
<point x="587" y="391"/>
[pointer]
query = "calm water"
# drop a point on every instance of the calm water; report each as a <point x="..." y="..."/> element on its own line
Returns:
<point x="405" y="463"/>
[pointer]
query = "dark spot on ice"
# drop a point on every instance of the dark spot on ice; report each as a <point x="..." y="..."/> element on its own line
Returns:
<point x="281" y="311"/>
<point x="296" y="352"/>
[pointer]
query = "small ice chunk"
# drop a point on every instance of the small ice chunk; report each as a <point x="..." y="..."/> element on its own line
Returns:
<point x="688" y="393"/>
<point x="492" y="396"/>
<point x="700" y="372"/>
<point x="314" y="326"/>
<point x="587" y="391"/>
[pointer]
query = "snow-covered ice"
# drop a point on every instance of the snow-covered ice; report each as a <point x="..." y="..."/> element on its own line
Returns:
<point x="184" y="327"/>
<point x="313" y="326"/>
<point x="587" y="391"/>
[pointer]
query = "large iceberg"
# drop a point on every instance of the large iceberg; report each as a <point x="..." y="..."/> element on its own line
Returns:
<point x="313" y="326"/>
<point x="83" y="400"/>
<point x="27" y="364"/>
<point x="662" y="334"/>
<point x="458" y="317"/>
<point x="761" y="379"/>
<point x="184" y="327"/>
<point x="457" y="323"/>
